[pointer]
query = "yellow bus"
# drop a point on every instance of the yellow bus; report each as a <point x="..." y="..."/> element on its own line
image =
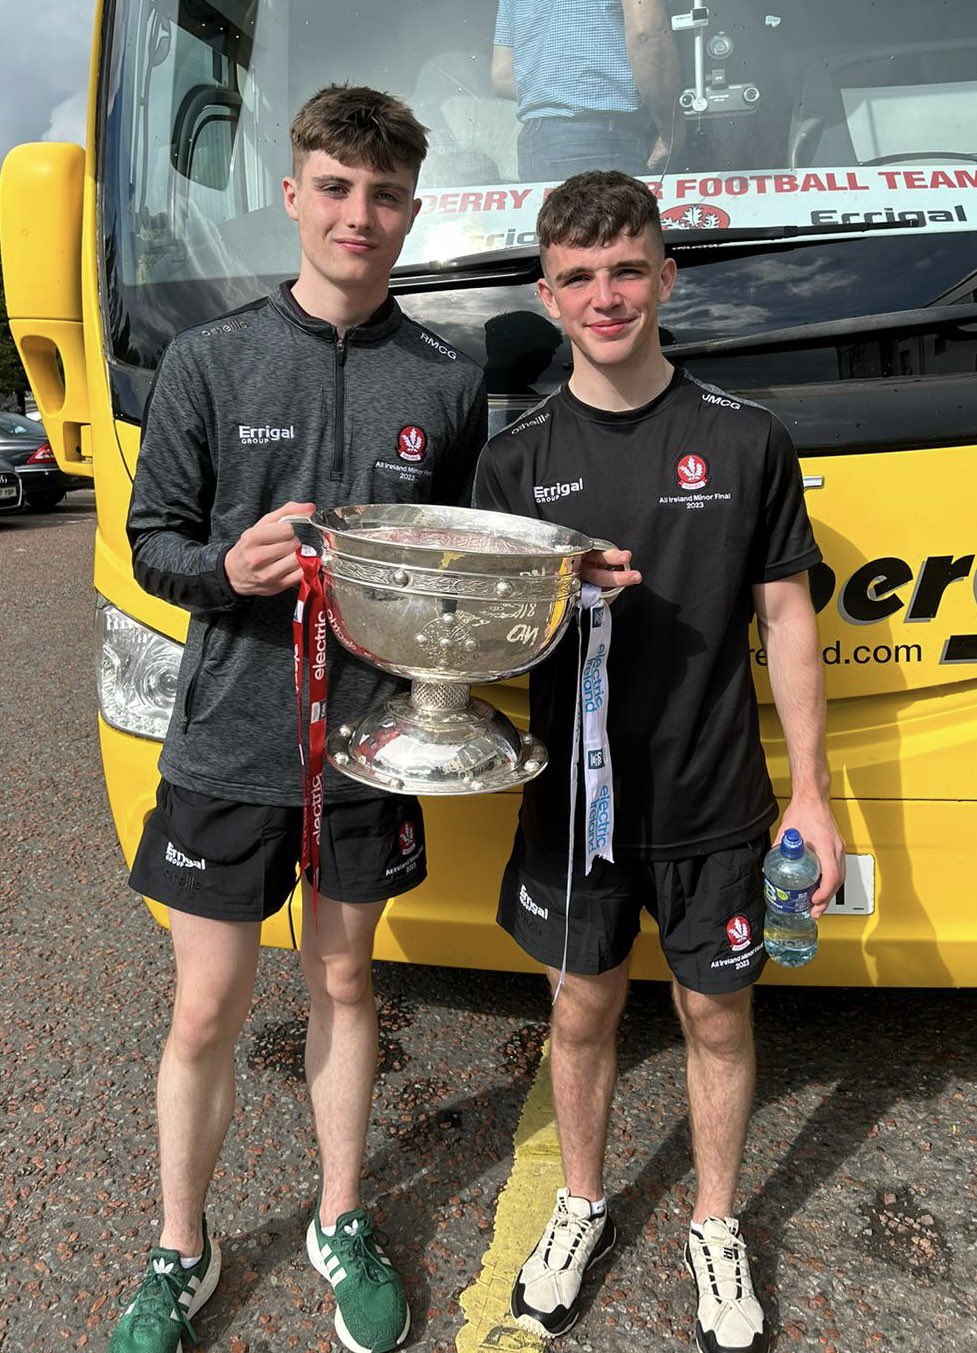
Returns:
<point x="821" y="201"/>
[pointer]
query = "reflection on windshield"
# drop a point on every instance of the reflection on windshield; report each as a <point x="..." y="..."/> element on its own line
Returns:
<point x="739" y="115"/>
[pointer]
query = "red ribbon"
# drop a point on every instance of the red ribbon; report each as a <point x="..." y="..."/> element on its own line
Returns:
<point x="309" y="626"/>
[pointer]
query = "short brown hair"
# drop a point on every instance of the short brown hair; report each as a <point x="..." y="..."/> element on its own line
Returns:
<point x="358" y="125"/>
<point x="596" y="207"/>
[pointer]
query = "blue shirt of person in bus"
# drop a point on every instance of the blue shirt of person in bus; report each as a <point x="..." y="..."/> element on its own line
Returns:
<point x="584" y="100"/>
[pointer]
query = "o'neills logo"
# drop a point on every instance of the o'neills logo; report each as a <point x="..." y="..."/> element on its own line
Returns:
<point x="599" y="820"/>
<point x="692" y="472"/>
<point x="177" y="857"/>
<point x="406" y="837"/>
<point x="738" y="933"/>
<point x="319" y="652"/>
<point x="592" y="682"/>
<point x="411" y="442"/>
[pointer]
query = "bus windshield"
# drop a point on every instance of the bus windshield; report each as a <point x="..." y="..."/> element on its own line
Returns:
<point x="842" y="114"/>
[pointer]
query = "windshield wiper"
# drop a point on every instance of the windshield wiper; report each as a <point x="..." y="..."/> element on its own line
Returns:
<point x="782" y="234"/>
<point x="494" y="267"/>
<point x="825" y="334"/>
<point x="520" y="263"/>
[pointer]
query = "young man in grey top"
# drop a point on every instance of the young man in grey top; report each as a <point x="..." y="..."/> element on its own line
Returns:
<point x="321" y="394"/>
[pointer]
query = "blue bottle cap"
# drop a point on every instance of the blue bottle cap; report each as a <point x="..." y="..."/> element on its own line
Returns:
<point x="792" y="844"/>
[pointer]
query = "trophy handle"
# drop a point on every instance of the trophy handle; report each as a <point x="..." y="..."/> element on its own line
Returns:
<point x="608" y="593"/>
<point x="301" y="519"/>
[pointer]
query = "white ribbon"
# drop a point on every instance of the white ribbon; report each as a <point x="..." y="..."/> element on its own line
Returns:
<point x="597" y="777"/>
<point x="590" y="708"/>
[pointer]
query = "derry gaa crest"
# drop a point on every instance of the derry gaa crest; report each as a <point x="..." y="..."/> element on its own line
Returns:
<point x="411" y="443"/>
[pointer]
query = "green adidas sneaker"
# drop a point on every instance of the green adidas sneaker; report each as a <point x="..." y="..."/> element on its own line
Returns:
<point x="372" y="1315"/>
<point x="169" y="1294"/>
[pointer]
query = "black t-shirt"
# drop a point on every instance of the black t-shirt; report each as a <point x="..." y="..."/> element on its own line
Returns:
<point x="706" y="492"/>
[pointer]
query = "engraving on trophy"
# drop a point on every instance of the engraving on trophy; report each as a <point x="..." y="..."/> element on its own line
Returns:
<point x="511" y="610"/>
<point x="523" y="634"/>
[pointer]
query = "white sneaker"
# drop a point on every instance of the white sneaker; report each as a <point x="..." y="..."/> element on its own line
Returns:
<point x="546" y="1295"/>
<point x="729" y="1319"/>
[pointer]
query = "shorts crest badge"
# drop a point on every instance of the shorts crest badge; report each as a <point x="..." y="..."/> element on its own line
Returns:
<point x="739" y="933"/>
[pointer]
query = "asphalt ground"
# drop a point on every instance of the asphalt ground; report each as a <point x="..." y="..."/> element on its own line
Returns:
<point x="859" y="1185"/>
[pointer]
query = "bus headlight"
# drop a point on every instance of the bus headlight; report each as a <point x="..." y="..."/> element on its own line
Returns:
<point x="137" y="671"/>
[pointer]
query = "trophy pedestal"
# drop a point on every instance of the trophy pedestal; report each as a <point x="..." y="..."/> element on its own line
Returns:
<point x="436" y="740"/>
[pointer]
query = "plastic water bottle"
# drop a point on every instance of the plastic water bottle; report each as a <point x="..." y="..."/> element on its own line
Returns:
<point x="790" y="875"/>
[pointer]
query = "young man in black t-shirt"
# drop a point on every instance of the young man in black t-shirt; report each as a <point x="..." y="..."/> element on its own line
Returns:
<point x="705" y="493"/>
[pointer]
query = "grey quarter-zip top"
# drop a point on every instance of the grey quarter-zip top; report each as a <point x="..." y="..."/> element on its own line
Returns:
<point x="250" y="411"/>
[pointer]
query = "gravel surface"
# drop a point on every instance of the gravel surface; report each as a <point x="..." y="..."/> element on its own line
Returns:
<point x="859" y="1186"/>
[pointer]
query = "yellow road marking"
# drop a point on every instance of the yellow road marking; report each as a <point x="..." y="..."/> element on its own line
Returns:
<point x="522" y="1210"/>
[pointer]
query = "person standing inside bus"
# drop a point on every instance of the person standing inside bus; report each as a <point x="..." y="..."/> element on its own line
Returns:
<point x="320" y="394"/>
<point x="704" y="493"/>
<point x="595" y="84"/>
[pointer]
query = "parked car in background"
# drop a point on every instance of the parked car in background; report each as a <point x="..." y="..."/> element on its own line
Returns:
<point x="24" y="443"/>
<point x="11" y="489"/>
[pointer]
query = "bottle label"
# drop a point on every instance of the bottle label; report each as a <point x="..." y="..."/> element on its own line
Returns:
<point x="789" y="899"/>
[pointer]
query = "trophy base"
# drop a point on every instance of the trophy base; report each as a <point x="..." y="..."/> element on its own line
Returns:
<point x="411" y="748"/>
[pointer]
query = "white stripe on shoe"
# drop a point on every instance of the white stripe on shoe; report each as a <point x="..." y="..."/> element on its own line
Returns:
<point x="325" y="1260"/>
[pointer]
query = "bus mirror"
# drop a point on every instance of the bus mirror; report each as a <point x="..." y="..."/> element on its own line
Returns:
<point x="42" y="189"/>
<point x="203" y="135"/>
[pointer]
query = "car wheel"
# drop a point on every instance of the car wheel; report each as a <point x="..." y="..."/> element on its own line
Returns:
<point x="43" y="502"/>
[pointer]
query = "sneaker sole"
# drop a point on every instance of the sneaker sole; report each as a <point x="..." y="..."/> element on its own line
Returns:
<point x="346" y="1339"/>
<point x="534" y="1326"/>
<point x="206" y="1289"/>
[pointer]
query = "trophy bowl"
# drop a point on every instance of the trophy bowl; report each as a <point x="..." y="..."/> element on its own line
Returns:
<point x="446" y="597"/>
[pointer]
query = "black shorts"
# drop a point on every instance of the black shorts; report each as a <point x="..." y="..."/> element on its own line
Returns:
<point x="233" y="861"/>
<point x="709" y="910"/>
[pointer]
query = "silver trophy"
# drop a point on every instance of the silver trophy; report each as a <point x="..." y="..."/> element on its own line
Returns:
<point x="446" y="597"/>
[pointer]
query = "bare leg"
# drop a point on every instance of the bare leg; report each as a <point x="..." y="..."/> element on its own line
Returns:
<point x="341" y="1048"/>
<point x="583" y="1064"/>
<point x="721" y="1078"/>
<point x="216" y="963"/>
